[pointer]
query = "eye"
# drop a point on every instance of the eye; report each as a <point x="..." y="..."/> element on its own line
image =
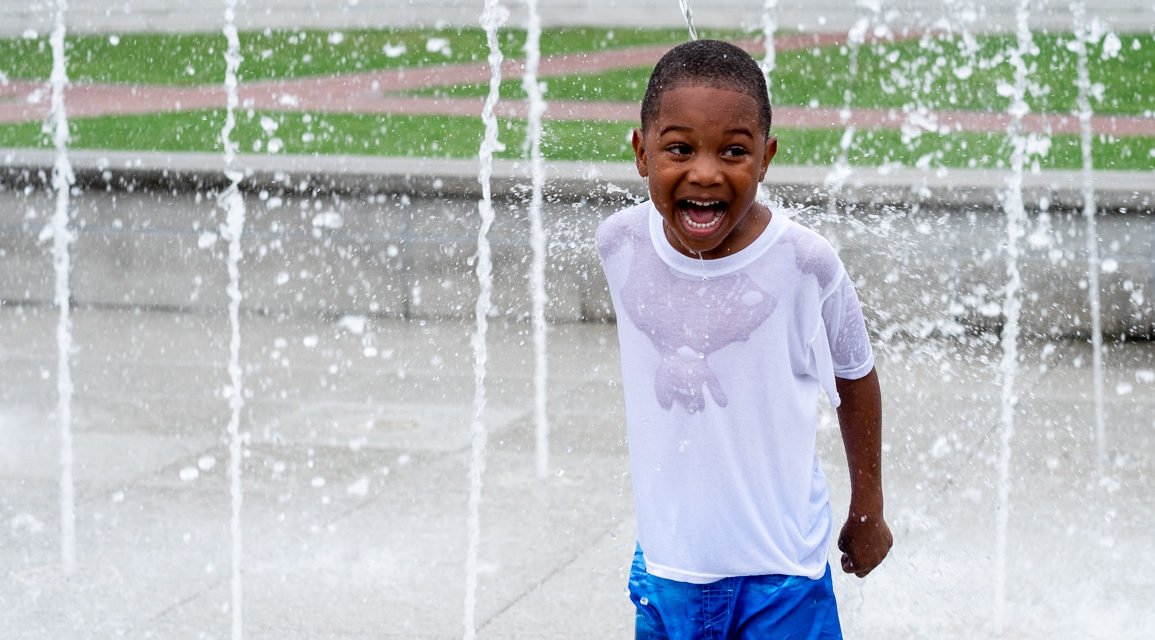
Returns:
<point x="678" y="149"/>
<point x="735" y="151"/>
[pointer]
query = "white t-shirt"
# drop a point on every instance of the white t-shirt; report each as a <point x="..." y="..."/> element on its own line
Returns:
<point x="722" y="363"/>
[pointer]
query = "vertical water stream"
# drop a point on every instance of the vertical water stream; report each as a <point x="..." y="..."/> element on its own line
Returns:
<point x="232" y="231"/>
<point x="1012" y="199"/>
<point x="689" y="16"/>
<point x="62" y="236"/>
<point x="492" y="19"/>
<point x="1083" y="105"/>
<point x="836" y="176"/>
<point x="533" y="89"/>
<point x="769" y="30"/>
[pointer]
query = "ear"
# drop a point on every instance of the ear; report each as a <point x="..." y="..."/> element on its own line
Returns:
<point x="768" y="155"/>
<point x="639" y="143"/>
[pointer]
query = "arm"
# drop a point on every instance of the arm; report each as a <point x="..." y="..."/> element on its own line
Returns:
<point x="865" y="538"/>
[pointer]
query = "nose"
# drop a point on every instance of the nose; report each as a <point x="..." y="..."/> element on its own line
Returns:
<point x="705" y="170"/>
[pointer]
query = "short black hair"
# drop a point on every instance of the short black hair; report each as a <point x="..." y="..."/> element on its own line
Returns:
<point x="707" y="63"/>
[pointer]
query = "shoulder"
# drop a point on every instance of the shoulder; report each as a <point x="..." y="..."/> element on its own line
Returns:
<point x="813" y="253"/>
<point x="621" y="228"/>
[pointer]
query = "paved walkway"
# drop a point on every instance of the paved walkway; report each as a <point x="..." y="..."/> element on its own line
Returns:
<point x="373" y="92"/>
<point x="355" y="486"/>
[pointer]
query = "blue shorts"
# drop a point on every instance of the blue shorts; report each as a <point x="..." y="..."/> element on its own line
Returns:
<point x="747" y="607"/>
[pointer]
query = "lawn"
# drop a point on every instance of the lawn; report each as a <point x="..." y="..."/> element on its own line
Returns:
<point x="198" y="58"/>
<point x="456" y="137"/>
<point x="934" y="72"/>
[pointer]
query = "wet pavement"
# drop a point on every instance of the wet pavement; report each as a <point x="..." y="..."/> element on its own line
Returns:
<point x="355" y="483"/>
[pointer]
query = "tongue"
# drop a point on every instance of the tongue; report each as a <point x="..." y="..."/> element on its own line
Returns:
<point x="701" y="215"/>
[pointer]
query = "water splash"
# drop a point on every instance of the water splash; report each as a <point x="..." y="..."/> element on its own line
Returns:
<point x="840" y="171"/>
<point x="232" y="230"/>
<point x="769" y="29"/>
<point x="62" y="236"/>
<point x="1083" y="102"/>
<point x="1012" y="305"/>
<point x="537" y="234"/>
<point x="685" y="5"/>
<point x="492" y="19"/>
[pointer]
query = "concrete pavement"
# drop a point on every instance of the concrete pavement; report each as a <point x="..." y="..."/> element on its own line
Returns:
<point x="355" y="485"/>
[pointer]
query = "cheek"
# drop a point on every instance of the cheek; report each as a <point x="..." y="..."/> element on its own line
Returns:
<point x="749" y="178"/>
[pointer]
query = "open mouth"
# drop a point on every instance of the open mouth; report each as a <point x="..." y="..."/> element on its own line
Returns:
<point x="699" y="215"/>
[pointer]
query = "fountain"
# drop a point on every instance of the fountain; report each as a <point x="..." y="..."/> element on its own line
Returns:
<point x="769" y="28"/>
<point x="232" y="232"/>
<point x="363" y="286"/>
<point x="1012" y="307"/>
<point x="689" y="16"/>
<point x="533" y="89"/>
<point x="62" y="181"/>
<point x="1094" y="264"/>
<point x="492" y="19"/>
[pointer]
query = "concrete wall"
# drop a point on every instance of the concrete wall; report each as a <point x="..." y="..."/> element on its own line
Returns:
<point x="376" y="238"/>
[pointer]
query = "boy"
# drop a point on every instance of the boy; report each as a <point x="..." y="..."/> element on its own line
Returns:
<point x="731" y="318"/>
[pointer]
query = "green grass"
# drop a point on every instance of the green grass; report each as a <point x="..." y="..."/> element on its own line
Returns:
<point x="952" y="73"/>
<point x="198" y="58"/>
<point x="457" y="137"/>
<point x="934" y="72"/>
<point x="930" y="72"/>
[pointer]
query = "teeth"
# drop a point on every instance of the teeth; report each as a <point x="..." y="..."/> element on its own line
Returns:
<point x="698" y="203"/>
<point x="700" y="225"/>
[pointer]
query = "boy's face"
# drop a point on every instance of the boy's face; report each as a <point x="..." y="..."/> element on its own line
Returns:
<point x="704" y="155"/>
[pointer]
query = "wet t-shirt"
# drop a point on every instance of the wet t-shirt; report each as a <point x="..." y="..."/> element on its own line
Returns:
<point x="722" y="364"/>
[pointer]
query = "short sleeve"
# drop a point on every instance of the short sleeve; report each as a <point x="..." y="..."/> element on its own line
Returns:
<point x="846" y="335"/>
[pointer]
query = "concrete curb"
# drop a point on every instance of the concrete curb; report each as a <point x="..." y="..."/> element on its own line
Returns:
<point x="394" y="236"/>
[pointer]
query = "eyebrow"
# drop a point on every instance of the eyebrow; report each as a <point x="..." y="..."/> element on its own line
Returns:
<point x="675" y="127"/>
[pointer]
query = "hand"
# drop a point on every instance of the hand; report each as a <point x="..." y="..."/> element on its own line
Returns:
<point x="864" y="541"/>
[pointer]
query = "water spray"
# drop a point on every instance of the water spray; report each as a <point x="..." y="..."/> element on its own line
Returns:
<point x="685" y="5"/>
<point x="533" y="88"/>
<point x="232" y="230"/>
<point x="837" y="175"/>
<point x="62" y="236"/>
<point x="769" y="29"/>
<point x="492" y="19"/>
<point x="1083" y="104"/>
<point x="1012" y="305"/>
